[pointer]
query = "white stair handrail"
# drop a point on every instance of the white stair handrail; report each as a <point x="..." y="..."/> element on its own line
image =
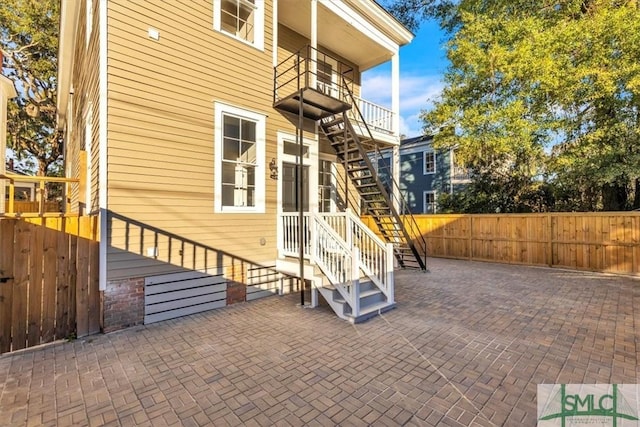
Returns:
<point x="376" y="256"/>
<point x="337" y="260"/>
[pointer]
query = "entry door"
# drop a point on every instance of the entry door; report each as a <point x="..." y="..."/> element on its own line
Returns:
<point x="290" y="200"/>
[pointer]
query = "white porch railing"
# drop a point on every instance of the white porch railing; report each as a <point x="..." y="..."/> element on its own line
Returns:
<point x="342" y="246"/>
<point x="377" y="117"/>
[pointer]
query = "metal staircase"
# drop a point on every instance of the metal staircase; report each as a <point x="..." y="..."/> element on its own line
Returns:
<point x="300" y="90"/>
<point x="379" y="193"/>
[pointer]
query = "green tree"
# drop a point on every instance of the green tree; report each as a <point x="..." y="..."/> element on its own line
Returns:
<point x="29" y="43"/>
<point x="541" y="93"/>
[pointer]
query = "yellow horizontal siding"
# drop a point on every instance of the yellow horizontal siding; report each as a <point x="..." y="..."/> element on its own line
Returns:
<point x="161" y="134"/>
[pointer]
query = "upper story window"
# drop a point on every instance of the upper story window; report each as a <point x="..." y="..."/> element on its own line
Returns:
<point x="242" y="19"/>
<point x="239" y="169"/>
<point x="429" y="162"/>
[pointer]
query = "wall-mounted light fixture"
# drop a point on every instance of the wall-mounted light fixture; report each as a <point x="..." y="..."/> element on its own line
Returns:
<point x="273" y="168"/>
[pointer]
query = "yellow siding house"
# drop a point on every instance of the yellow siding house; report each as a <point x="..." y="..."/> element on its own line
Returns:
<point x="216" y="133"/>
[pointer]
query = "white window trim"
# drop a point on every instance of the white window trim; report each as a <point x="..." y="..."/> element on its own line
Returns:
<point x="260" y="119"/>
<point x="258" y="27"/>
<point x="424" y="162"/>
<point x="334" y="175"/>
<point x="424" y="201"/>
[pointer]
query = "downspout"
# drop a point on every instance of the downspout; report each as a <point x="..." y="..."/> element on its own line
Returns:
<point x="102" y="146"/>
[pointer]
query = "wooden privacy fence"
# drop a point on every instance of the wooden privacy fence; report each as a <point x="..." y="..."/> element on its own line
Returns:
<point x="48" y="280"/>
<point x="603" y="241"/>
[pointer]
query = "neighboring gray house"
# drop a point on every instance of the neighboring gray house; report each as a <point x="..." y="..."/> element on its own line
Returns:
<point x="425" y="173"/>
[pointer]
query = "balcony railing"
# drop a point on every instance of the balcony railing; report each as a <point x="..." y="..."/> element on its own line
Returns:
<point x="460" y="174"/>
<point x="332" y="78"/>
<point x="377" y="117"/>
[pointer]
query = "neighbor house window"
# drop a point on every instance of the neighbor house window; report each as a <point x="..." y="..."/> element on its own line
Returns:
<point x="429" y="202"/>
<point x="243" y="19"/>
<point x="239" y="172"/>
<point x="429" y="162"/>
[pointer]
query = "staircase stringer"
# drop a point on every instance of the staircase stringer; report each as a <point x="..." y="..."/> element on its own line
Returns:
<point x="351" y="137"/>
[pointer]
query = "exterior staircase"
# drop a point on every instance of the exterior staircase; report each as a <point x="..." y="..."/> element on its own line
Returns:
<point x="354" y="268"/>
<point x="379" y="195"/>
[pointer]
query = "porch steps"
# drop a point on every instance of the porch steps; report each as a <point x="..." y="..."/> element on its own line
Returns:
<point x="372" y="302"/>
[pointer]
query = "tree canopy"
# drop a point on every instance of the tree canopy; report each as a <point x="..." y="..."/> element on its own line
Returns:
<point x="541" y="100"/>
<point x="29" y="43"/>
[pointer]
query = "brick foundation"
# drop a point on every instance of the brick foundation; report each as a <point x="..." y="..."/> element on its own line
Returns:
<point x="236" y="292"/>
<point x="123" y="303"/>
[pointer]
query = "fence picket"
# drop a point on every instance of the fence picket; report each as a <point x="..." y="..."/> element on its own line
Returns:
<point x="40" y="262"/>
<point x="6" y="283"/>
<point x="598" y="241"/>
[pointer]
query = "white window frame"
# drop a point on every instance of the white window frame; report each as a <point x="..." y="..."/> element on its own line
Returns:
<point x="258" y="27"/>
<point x="424" y="201"/>
<point x="334" y="173"/>
<point x="424" y="162"/>
<point x="260" y="119"/>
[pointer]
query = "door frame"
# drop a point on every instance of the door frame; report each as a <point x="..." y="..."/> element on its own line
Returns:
<point x="312" y="162"/>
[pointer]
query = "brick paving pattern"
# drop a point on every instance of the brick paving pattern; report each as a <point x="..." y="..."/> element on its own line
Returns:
<point x="467" y="345"/>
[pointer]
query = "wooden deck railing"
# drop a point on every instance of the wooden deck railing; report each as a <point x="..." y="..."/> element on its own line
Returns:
<point x="40" y="207"/>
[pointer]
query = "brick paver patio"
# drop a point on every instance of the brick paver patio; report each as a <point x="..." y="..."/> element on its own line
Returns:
<point x="467" y="345"/>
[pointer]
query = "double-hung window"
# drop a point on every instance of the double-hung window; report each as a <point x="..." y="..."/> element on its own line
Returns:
<point x="429" y="162"/>
<point x="242" y="19"/>
<point x="240" y="145"/>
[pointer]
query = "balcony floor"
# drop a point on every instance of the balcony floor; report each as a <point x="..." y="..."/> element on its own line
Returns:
<point x="316" y="105"/>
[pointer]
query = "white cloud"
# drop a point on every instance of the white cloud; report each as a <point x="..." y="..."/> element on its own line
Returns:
<point x="417" y="93"/>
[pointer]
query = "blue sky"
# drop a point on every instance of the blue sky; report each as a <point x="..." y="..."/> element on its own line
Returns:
<point x="422" y="66"/>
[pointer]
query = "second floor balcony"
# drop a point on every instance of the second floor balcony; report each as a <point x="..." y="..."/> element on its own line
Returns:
<point x="327" y="86"/>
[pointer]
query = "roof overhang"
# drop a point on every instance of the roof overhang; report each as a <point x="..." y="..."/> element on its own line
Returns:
<point x="69" y="15"/>
<point x="360" y="31"/>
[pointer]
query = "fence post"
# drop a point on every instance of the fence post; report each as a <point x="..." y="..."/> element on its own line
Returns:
<point x="550" y="240"/>
<point x="12" y="195"/>
<point x="470" y="237"/>
<point x="355" y="280"/>
<point x="390" y="274"/>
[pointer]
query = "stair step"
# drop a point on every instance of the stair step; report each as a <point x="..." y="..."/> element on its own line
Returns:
<point x="338" y="131"/>
<point x="330" y="123"/>
<point x="367" y="185"/>
<point x="372" y="311"/>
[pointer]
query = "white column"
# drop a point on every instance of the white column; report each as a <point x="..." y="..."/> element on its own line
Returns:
<point x="7" y="92"/>
<point x="313" y="67"/>
<point x="275" y="33"/>
<point x="395" y="172"/>
<point x="395" y="92"/>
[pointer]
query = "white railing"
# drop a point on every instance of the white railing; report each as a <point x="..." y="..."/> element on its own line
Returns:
<point x="290" y="235"/>
<point x="348" y="237"/>
<point x="375" y="116"/>
<point x="376" y="256"/>
<point x="338" y="262"/>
